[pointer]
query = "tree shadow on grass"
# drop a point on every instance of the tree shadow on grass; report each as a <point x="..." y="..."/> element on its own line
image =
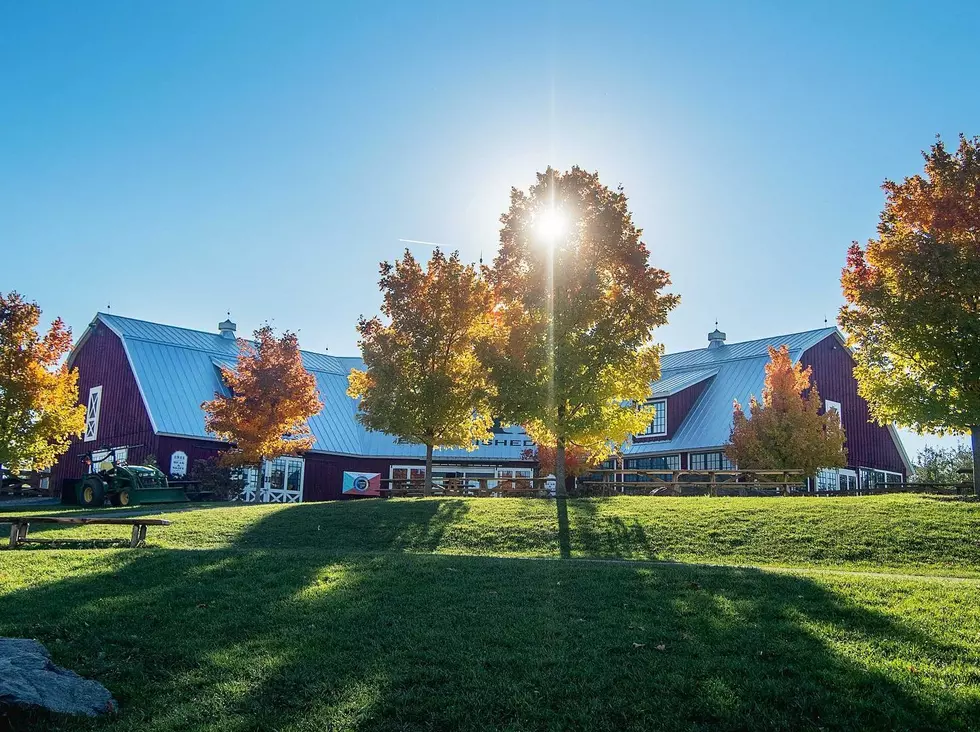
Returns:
<point x="598" y="534"/>
<point x="253" y="637"/>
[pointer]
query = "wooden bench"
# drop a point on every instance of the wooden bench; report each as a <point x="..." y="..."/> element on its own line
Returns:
<point x="19" y="526"/>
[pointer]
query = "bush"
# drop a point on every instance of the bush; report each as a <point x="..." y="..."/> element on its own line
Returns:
<point x="226" y="484"/>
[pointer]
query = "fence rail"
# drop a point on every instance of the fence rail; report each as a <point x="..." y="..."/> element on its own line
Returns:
<point x="469" y="487"/>
<point x="694" y="482"/>
<point x="612" y="482"/>
<point x="27" y="483"/>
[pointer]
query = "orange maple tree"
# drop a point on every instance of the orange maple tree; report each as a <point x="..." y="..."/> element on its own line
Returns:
<point x="786" y="430"/>
<point x="39" y="409"/>
<point x="912" y="312"/>
<point x="272" y="396"/>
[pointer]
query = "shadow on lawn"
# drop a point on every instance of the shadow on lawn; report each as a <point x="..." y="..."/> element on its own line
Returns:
<point x="598" y="534"/>
<point x="299" y="639"/>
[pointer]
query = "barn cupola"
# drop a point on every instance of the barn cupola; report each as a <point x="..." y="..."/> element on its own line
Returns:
<point x="716" y="338"/>
<point x="227" y="329"/>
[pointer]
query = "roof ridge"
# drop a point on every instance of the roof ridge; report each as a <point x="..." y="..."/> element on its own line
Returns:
<point x="754" y="340"/>
<point x="145" y="339"/>
<point x="699" y="366"/>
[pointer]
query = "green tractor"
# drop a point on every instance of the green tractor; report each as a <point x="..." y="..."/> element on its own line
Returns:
<point x="122" y="484"/>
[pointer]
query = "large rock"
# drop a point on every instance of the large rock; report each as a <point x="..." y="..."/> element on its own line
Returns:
<point x="29" y="680"/>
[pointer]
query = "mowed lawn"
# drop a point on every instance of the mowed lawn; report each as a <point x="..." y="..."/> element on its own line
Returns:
<point x="405" y="615"/>
<point x="908" y="533"/>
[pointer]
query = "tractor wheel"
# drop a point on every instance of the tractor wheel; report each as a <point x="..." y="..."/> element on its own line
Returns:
<point x="121" y="498"/>
<point x="90" y="492"/>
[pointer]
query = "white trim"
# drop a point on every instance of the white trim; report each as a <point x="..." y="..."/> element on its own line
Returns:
<point x="897" y="439"/>
<point x="92" y="404"/>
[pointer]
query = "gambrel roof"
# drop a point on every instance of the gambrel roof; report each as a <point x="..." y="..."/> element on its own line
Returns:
<point x="735" y="371"/>
<point x="178" y="369"/>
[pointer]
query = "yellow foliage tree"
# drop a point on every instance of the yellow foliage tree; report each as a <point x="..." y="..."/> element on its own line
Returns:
<point x="786" y="430"/>
<point x="572" y="352"/>
<point x="272" y="397"/>
<point x="423" y="382"/>
<point x="39" y="409"/>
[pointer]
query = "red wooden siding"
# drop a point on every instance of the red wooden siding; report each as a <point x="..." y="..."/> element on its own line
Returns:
<point x="123" y="419"/>
<point x="195" y="449"/>
<point x="678" y="406"/>
<point x="868" y="444"/>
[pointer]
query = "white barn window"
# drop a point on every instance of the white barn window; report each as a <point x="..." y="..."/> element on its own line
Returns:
<point x="829" y="404"/>
<point x="92" y="411"/>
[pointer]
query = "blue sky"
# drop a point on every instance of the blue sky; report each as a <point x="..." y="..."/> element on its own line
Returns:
<point x="183" y="159"/>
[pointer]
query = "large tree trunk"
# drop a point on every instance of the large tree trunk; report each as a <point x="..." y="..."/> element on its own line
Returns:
<point x="427" y="486"/>
<point x="975" y="444"/>
<point x="560" y="468"/>
<point x="564" y="540"/>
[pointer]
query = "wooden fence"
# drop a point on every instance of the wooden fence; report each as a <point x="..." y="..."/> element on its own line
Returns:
<point x="694" y="483"/>
<point x="655" y="483"/>
<point x="28" y="483"/>
<point x="470" y="487"/>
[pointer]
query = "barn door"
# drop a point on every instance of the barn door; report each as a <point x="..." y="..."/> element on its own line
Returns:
<point x="282" y="480"/>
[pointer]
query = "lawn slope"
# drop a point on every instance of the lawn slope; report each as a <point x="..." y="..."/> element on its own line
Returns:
<point x="376" y="615"/>
<point x="899" y="532"/>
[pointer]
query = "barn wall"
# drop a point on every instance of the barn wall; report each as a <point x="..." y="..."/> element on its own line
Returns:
<point x="123" y="419"/>
<point x="195" y="449"/>
<point x="868" y="444"/>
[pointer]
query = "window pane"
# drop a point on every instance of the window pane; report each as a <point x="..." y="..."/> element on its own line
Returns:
<point x="659" y="424"/>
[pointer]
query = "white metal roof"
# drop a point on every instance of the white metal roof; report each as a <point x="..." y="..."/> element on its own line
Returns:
<point x="738" y="373"/>
<point x="178" y="369"/>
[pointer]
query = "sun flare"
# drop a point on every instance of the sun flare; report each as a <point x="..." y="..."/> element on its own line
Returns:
<point x="551" y="224"/>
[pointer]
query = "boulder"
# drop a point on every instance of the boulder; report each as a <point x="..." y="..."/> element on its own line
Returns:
<point x="30" y="680"/>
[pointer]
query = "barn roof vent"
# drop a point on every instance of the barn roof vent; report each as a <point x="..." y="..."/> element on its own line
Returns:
<point x="716" y="338"/>
<point x="227" y="329"/>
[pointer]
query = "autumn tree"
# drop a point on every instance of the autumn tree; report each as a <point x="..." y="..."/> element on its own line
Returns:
<point x="786" y="430"/>
<point x="271" y="397"/>
<point x="39" y="409"/>
<point x="422" y="381"/>
<point x="577" y="461"/>
<point x="913" y="300"/>
<point x="572" y="352"/>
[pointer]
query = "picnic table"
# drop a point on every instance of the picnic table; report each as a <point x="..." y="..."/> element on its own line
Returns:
<point x="19" y="525"/>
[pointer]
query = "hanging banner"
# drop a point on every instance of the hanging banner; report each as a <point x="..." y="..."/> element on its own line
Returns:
<point x="362" y="484"/>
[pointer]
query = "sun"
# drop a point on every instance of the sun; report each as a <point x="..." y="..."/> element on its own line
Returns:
<point x="551" y="224"/>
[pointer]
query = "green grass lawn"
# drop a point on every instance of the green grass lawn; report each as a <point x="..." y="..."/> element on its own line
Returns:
<point x="906" y="533"/>
<point x="407" y="615"/>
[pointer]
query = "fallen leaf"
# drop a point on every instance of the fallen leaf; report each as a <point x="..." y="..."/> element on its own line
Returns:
<point x="661" y="647"/>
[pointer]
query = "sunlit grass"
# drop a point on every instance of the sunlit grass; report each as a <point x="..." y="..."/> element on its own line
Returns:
<point x="882" y="533"/>
<point x="296" y="640"/>
<point x="376" y="615"/>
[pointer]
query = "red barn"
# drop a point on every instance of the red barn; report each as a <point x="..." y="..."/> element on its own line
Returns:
<point x="144" y="383"/>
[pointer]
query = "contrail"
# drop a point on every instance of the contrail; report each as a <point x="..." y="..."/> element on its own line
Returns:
<point x="427" y="243"/>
